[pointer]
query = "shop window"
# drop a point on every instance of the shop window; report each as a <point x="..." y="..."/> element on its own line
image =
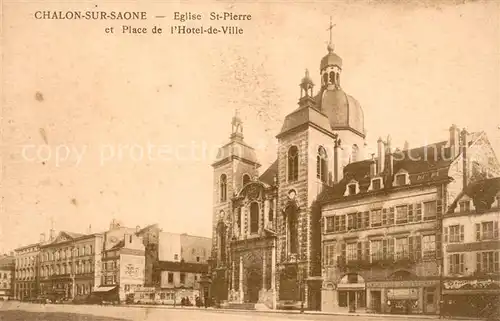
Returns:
<point x="430" y="298"/>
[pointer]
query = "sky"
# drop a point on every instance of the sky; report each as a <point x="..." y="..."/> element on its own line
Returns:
<point x="98" y="126"/>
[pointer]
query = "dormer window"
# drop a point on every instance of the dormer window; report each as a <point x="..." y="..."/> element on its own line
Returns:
<point x="402" y="178"/>
<point x="376" y="184"/>
<point x="352" y="188"/>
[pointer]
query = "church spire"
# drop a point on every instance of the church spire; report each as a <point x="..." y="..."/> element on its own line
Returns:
<point x="237" y="127"/>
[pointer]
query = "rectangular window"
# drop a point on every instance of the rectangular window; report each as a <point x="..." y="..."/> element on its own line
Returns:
<point x="183" y="278"/>
<point x="464" y="206"/>
<point x="329" y="254"/>
<point x="429" y="246"/>
<point x="376" y="217"/>
<point x="400" y="179"/>
<point x="376" y="184"/>
<point x="401" y="214"/>
<point x="330" y="223"/>
<point x="487" y="229"/>
<point x="377" y="250"/>
<point x="170" y="277"/>
<point x="454" y="233"/>
<point x="456" y="263"/>
<point x="402" y="250"/>
<point x="430" y="210"/>
<point x="351" y="252"/>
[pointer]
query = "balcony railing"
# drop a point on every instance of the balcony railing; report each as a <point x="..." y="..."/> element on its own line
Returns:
<point x="374" y="261"/>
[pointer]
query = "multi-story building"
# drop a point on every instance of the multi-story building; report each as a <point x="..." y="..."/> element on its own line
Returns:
<point x="26" y="281"/>
<point x="471" y="248"/>
<point x="182" y="260"/>
<point x="382" y="229"/>
<point x="123" y="263"/>
<point x="7" y="267"/>
<point x="70" y="265"/>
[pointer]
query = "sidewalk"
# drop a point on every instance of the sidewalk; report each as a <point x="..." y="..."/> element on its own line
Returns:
<point x="373" y="315"/>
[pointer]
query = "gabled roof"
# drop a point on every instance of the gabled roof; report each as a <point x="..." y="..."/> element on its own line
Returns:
<point x="303" y="116"/>
<point x="482" y="192"/>
<point x="268" y="176"/>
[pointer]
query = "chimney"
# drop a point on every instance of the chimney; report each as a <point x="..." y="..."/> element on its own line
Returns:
<point x="373" y="166"/>
<point x="381" y="155"/>
<point x="337" y="166"/>
<point x="454" y="141"/>
<point x="465" y="170"/>
<point x="89" y="231"/>
<point x="52" y="234"/>
<point x="42" y="237"/>
<point x="390" y="155"/>
<point x="137" y="228"/>
<point x="406" y="146"/>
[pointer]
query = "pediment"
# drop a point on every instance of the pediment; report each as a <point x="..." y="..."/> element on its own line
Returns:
<point x="61" y="238"/>
<point x="252" y="191"/>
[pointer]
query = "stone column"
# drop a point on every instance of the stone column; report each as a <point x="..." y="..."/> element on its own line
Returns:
<point x="266" y="212"/>
<point x="273" y="273"/>
<point x="241" y="279"/>
<point x="232" y="275"/>
<point x="264" y="270"/>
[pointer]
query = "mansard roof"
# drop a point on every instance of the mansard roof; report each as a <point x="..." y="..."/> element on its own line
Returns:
<point x="425" y="165"/>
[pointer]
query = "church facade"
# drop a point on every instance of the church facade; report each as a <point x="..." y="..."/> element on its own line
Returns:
<point x="266" y="235"/>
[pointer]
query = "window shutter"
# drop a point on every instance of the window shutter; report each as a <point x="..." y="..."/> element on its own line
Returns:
<point x="391" y="247"/>
<point x="367" y="250"/>
<point x="343" y="250"/>
<point x="495" y="229"/>
<point x="384" y="248"/>
<point x="497" y="265"/>
<point x="446" y="234"/>
<point x="359" y="217"/>
<point x="367" y="219"/>
<point x="410" y="212"/>
<point x="410" y="248"/>
<point x="418" y="247"/>
<point x="360" y="251"/>
<point x="462" y="259"/>
<point x="478" y="232"/>
<point x="461" y="233"/>
<point x="450" y="268"/>
<point x="478" y="262"/>
<point x="384" y="217"/>
<point x="418" y="214"/>
<point x="439" y="245"/>
<point x="439" y="207"/>
<point x="391" y="216"/>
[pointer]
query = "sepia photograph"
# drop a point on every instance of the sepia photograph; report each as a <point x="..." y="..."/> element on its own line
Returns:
<point x="243" y="160"/>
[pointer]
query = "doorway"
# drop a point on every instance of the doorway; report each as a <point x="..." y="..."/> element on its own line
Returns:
<point x="376" y="301"/>
<point x="254" y="283"/>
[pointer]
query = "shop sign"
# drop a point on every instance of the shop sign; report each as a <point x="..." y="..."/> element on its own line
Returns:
<point x="402" y="293"/>
<point x="471" y="284"/>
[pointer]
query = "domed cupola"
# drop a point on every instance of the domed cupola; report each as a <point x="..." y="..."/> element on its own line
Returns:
<point x="330" y="69"/>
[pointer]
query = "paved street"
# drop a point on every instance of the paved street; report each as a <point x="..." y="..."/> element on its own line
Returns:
<point x="15" y="311"/>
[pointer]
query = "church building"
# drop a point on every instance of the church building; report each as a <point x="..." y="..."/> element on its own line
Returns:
<point x="266" y="238"/>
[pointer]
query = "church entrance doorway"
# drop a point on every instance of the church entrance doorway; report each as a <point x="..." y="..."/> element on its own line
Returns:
<point x="254" y="283"/>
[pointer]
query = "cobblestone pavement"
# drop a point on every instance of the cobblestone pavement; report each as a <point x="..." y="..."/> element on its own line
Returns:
<point x="15" y="311"/>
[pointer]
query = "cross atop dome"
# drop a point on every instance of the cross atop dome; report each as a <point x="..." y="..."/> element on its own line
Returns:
<point x="330" y="46"/>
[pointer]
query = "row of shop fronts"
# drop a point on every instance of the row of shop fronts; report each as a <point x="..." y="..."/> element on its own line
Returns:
<point x="469" y="297"/>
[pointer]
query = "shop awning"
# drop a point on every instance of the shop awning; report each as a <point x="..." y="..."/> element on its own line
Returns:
<point x="104" y="288"/>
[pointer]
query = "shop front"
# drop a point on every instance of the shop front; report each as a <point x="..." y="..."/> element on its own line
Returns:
<point x="403" y="297"/>
<point x="471" y="298"/>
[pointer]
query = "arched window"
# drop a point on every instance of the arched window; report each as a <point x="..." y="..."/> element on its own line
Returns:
<point x="293" y="163"/>
<point x="322" y="165"/>
<point x="254" y="218"/>
<point x="221" y="242"/>
<point x="332" y="77"/>
<point x="325" y="78"/>
<point x="355" y="152"/>
<point x="246" y="179"/>
<point x="223" y="188"/>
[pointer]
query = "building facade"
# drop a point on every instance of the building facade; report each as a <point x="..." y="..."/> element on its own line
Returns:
<point x="26" y="277"/>
<point x="70" y="265"/>
<point x="471" y="248"/>
<point x="264" y="229"/>
<point x="182" y="261"/>
<point x="7" y="267"/>
<point x="382" y="224"/>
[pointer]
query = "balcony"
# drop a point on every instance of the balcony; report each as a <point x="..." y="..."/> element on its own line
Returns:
<point x="380" y="262"/>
